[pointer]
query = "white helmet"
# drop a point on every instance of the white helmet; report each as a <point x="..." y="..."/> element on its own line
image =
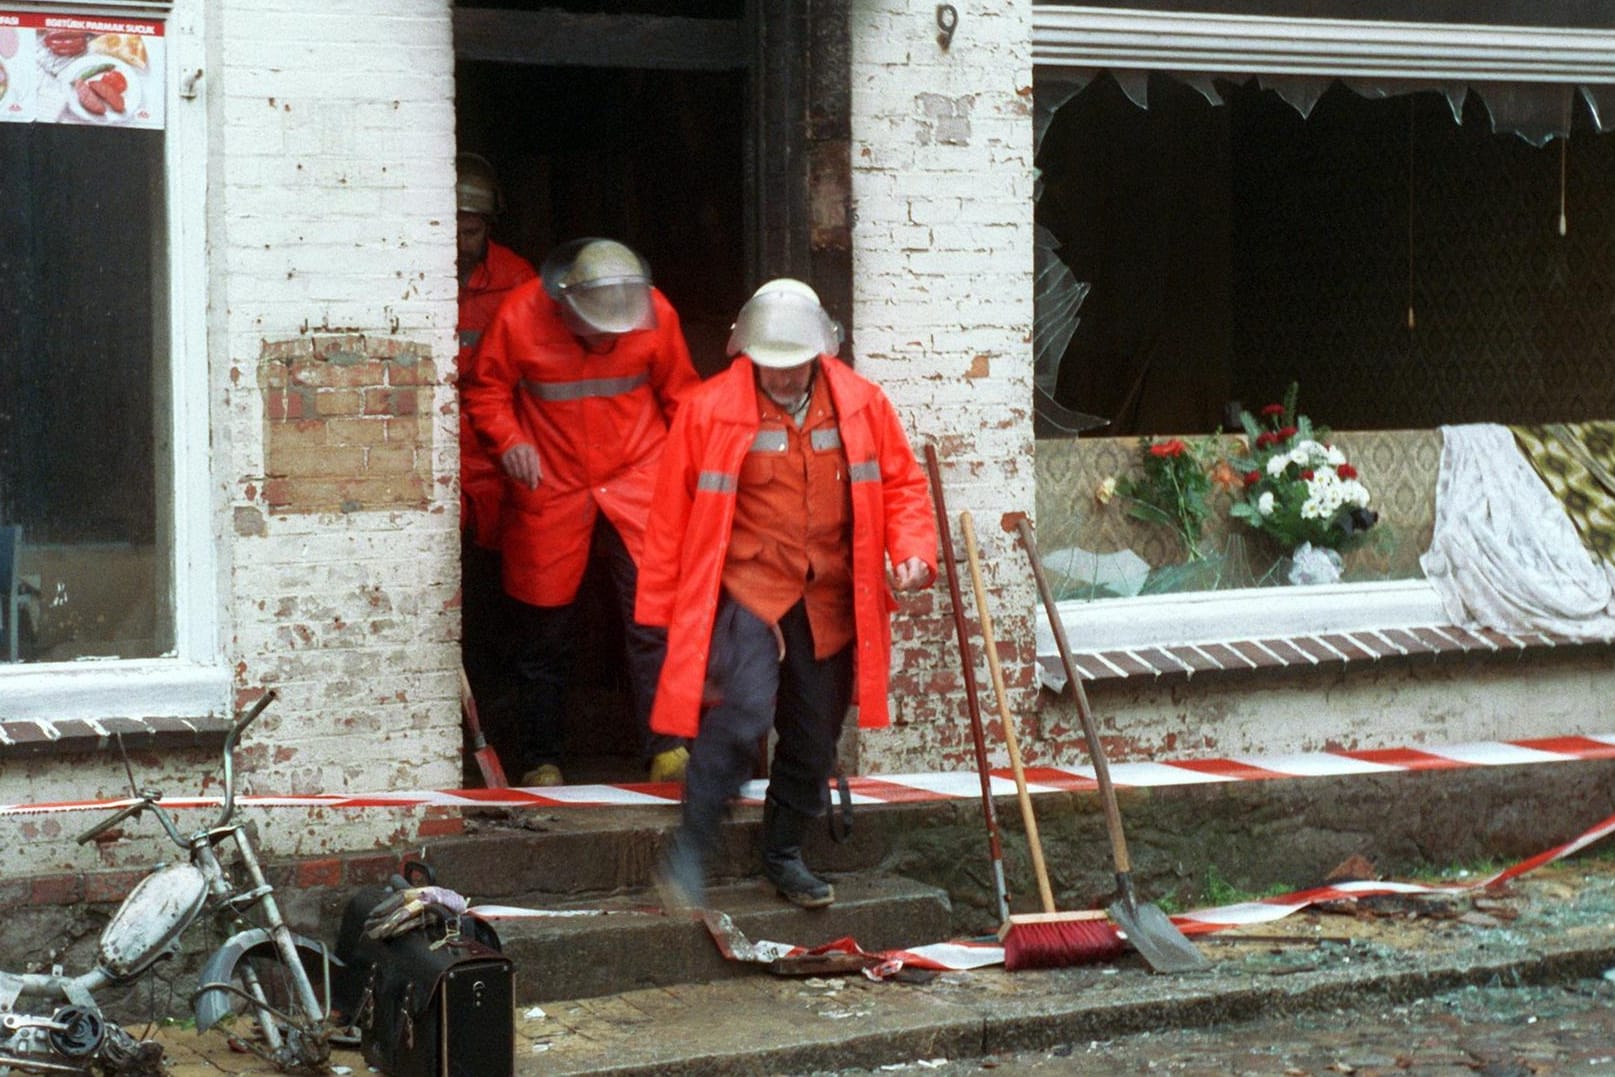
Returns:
<point x="602" y="287"/>
<point x="783" y="325"/>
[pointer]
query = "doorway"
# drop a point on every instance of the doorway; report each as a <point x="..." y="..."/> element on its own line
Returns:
<point x="632" y="125"/>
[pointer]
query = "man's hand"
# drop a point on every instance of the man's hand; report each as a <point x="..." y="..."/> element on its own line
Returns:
<point x="521" y="463"/>
<point x="911" y="575"/>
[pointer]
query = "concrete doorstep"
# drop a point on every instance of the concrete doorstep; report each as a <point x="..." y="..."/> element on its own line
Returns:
<point x="1551" y="926"/>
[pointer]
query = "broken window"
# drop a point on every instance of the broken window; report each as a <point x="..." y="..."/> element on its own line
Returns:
<point x="1411" y="256"/>
<point x="1405" y="222"/>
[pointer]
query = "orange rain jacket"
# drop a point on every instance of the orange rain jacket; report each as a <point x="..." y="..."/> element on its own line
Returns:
<point x="681" y="574"/>
<point x="482" y="480"/>
<point x="597" y="421"/>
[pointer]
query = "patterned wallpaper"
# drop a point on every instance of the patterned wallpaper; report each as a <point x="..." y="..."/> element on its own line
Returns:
<point x="1342" y="221"/>
<point x="1399" y="467"/>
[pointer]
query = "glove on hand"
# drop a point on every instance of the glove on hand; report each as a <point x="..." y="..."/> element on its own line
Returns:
<point x="406" y="910"/>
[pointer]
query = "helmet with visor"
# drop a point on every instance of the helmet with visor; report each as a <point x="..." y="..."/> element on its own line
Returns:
<point x="783" y="325"/>
<point x="602" y="287"/>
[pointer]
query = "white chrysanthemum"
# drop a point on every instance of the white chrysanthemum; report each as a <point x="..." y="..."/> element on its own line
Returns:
<point x="1335" y="457"/>
<point x="1264" y="504"/>
<point x="1354" y="493"/>
<point x="1277" y="464"/>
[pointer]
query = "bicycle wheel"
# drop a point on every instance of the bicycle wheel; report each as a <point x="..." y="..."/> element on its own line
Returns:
<point x="250" y="992"/>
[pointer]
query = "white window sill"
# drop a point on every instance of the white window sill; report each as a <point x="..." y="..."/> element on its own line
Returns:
<point x="79" y="706"/>
<point x="1210" y="631"/>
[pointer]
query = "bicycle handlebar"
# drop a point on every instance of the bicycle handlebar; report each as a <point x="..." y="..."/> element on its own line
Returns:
<point x="230" y="741"/>
<point x="128" y="812"/>
<point x="148" y="798"/>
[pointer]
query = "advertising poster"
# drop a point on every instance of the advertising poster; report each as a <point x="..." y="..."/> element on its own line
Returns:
<point x="82" y="69"/>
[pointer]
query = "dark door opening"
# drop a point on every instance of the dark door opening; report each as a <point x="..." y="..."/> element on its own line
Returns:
<point x="648" y="154"/>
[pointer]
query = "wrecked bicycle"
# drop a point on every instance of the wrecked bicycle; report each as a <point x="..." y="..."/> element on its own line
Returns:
<point x="263" y="970"/>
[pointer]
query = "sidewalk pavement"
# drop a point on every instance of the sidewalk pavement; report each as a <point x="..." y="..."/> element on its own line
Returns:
<point x="1552" y="925"/>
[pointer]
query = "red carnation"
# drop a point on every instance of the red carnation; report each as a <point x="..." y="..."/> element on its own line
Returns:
<point x="1252" y="478"/>
<point x="1346" y="471"/>
<point x="1307" y="474"/>
<point x="1285" y="432"/>
<point x="1272" y="411"/>
<point x="1175" y="447"/>
<point x="1266" y="438"/>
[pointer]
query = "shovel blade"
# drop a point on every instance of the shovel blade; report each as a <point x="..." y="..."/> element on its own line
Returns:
<point x="1157" y="938"/>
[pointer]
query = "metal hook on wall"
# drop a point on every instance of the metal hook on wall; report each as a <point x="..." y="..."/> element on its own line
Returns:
<point x="947" y="20"/>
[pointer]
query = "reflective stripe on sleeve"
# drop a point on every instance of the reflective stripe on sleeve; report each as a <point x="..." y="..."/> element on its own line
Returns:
<point x="587" y="389"/>
<point x="716" y="482"/>
<point x="868" y="471"/>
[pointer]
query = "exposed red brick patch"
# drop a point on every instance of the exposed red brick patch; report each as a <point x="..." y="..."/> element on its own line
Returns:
<point x="56" y="890"/>
<point x="362" y="870"/>
<point x="326" y="872"/>
<point x="441" y="828"/>
<point x="110" y="885"/>
<point x="342" y="423"/>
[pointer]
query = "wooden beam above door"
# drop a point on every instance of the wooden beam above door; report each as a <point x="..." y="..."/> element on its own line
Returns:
<point x="552" y="38"/>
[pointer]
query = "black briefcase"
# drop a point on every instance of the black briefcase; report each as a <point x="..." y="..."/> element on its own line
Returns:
<point x="426" y="1003"/>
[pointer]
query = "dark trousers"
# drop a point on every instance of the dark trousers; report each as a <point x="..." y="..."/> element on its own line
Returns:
<point x="486" y="623"/>
<point x="802" y="698"/>
<point x="545" y="650"/>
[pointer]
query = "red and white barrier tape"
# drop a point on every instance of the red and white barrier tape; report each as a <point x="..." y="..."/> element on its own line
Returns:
<point x="960" y="955"/>
<point x="961" y="785"/>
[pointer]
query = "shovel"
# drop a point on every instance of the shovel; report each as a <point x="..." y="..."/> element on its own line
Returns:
<point x="1149" y="930"/>
<point x="493" y="775"/>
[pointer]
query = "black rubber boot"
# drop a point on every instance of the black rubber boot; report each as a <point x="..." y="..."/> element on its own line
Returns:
<point x="782" y="858"/>
<point x="681" y="876"/>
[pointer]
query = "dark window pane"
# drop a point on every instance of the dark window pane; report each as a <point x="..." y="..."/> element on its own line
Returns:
<point x="83" y="370"/>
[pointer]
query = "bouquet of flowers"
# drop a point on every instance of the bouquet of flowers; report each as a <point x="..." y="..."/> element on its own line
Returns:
<point x="1173" y="489"/>
<point x="1299" y="488"/>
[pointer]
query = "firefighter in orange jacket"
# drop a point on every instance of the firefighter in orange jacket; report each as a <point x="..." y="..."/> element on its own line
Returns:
<point x="572" y="390"/>
<point x="487" y="271"/>
<point x="786" y="485"/>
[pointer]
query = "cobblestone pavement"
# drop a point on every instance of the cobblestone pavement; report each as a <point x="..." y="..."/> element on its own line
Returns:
<point x="1494" y="1031"/>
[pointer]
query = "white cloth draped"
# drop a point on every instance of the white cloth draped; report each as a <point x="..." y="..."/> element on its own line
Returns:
<point x="1504" y="554"/>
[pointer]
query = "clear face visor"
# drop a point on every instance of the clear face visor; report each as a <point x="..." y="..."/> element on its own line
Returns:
<point x="782" y="329"/>
<point x="609" y="305"/>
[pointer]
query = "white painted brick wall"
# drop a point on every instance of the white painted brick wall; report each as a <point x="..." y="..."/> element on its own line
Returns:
<point x="942" y="261"/>
<point x="332" y="138"/>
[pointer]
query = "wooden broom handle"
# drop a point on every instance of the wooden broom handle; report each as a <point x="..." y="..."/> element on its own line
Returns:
<point x="1096" y="753"/>
<point x="1011" y="741"/>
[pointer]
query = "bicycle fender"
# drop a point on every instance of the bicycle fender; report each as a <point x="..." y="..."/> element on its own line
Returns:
<point x="212" y="1000"/>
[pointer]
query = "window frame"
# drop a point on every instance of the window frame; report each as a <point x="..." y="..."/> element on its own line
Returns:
<point x="1087" y="39"/>
<point x="192" y="680"/>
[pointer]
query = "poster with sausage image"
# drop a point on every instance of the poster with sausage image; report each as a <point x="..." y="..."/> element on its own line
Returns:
<point x="16" y="70"/>
<point x="81" y="69"/>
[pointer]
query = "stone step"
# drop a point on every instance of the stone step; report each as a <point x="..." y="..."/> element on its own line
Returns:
<point x="603" y="861"/>
<point x="630" y="943"/>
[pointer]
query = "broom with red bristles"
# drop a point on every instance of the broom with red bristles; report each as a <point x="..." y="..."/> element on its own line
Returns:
<point x="1048" y="939"/>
